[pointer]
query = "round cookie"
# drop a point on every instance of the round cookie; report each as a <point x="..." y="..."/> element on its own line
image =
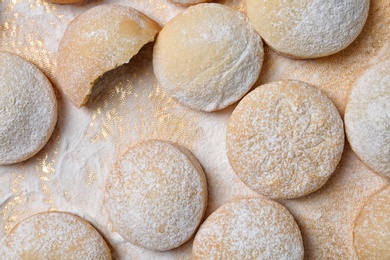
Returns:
<point x="249" y="229"/>
<point x="208" y="57"/>
<point x="367" y="118"/>
<point x="28" y="109"/>
<point x="54" y="235"/>
<point x="156" y="195"/>
<point x="308" y="29"/>
<point x="371" y="234"/>
<point x="285" y="139"/>
<point x="188" y="2"/>
<point x="100" y="39"/>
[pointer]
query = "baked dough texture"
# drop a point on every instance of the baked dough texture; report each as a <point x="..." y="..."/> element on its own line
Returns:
<point x="54" y="235"/>
<point x="188" y="2"/>
<point x="208" y="57"/>
<point x="249" y="229"/>
<point x="99" y="40"/>
<point x="156" y="195"/>
<point x="308" y="29"/>
<point x="367" y="118"/>
<point x="28" y="109"/>
<point x="285" y="139"/>
<point x="371" y="235"/>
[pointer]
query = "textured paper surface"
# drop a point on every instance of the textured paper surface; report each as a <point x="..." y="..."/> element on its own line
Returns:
<point x="69" y="174"/>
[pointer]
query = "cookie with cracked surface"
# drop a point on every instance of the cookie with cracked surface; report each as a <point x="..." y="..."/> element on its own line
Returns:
<point x="156" y="195"/>
<point x="308" y="29"/>
<point x="371" y="234"/>
<point x="285" y="139"/>
<point x="28" y="109"/>
<point x="100" y="39"/>
<point x="208" y="57"/>
<point x="367" y="118"/>
<point x="54" y="235"/>
<point x="254" y="228"/>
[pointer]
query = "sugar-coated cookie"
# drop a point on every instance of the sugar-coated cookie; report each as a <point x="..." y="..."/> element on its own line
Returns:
<point x="285" y="139"/>
<point x="371" y="234"/>
<point x="99" y="40"/>
<point x="308" y="29"/>
<point x="156" y="195"/>
<point x="54" y="235"/>
<point x="208" y="57"/>
<point x="367" y="118"/>
<point x="28" y="109"/>
<point x="249" y="229"/>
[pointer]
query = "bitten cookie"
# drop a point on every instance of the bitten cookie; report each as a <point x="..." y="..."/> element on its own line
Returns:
<point x="208" y="57"/>
<point x="54" y="235"/>
<point x="371" y="234"/>
<point x="367" y="118"/>
<point x="99" y="40"/>
<point x="28" y="109"/>
<point x="308" y="29"/>
<point x="285" y="139"/>
<point x="156" y="195"/>
<point x="249" y="229"/>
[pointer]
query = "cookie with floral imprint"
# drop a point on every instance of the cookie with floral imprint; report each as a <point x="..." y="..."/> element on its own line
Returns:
<point x="285" y="139"/>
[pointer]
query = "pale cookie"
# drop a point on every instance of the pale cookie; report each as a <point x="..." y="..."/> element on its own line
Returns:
<point x="249" y="229"/>
<point x="208" y="57"/>
<point x="371" y="234"/>
<point x="156" y="195"/>
<point x="28" y="109"/>
<point x="188" y="2"/>
<point x="99" y="40"/>
<point x="285" y="139"/>
<point x="367" y="118"/>
<point x="54" y="235"/>
<point x="308" y="29"/>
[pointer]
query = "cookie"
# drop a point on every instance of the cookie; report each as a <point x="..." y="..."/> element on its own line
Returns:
<point x="285" y="139"/>
<point x="371" y="234"/>
<point x="208" y="57"/>
<point x="308" y="29"/>
<point x="188" y="2"/>
<point x="156" y="195"/>
<point x="367" y="118"/>
<point x="249" y="229"/>
<point x="99" y="40"/>
<point x="54" y="235"/>
<point x="28" y="109"/>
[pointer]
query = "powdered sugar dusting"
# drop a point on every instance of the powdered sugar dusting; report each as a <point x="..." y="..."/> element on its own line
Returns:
<point x="97" y="41"/>
<point x="372" y="227"/>
<point x="208" y="57"/>
<point x="156" y="195"/>
<point x="367" y="118"/>
<point x="54" y="235"/>
<point x="285" y="139"/>
<point x="28" y="109"/>
<point x="308" y="29"/>
<point x="249" y="229"/>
